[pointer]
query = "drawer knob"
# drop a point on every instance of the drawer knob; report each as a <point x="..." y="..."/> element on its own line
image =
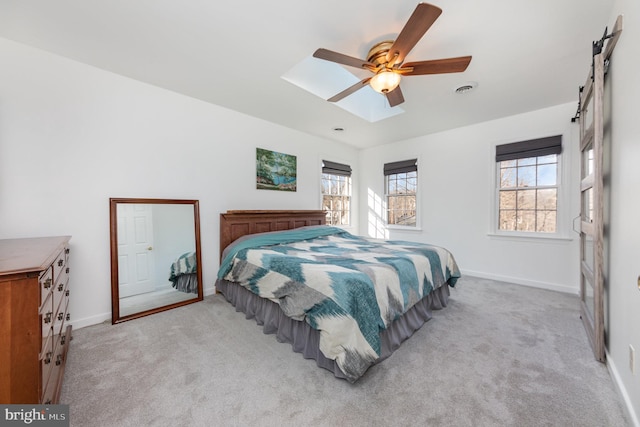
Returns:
<point x="60" y="263"/>
<point x="58" y="360"/>
<point x="60" y="287"/>
<point x="68" y="316"/>
<point x="60" y="316"/>
<point x="47" y="284"/>
<point x="66" y="294"/>
<point x="47" y="317"/>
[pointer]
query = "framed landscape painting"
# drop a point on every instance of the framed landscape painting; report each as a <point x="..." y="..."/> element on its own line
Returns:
<point x="275" y="171"/>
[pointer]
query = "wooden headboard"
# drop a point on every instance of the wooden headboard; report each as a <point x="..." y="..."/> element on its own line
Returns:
<point x="235" y="224"/>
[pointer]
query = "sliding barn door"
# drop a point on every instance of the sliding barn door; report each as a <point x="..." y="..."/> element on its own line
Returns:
<point x="591" y="115"/>
<point x="591" y="224"/>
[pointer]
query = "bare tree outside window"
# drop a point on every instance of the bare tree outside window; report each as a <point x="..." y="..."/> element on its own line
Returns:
<point x="528" y="194"/>
<point x="336" y="198"/>
<point x="401" y="198"/>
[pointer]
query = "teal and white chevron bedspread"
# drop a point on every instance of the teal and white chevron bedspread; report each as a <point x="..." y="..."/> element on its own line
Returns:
<point x="347" y="287"/>
<point x="184" y="264"/>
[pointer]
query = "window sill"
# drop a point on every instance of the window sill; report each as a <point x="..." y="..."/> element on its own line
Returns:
<point x="402" y="228"/>
<point x="531" y="237"/>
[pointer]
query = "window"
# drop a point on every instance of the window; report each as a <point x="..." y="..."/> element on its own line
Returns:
<point x="528" y="185"/>
<point x="401" y="184"/>
<point x="336" y="192"/>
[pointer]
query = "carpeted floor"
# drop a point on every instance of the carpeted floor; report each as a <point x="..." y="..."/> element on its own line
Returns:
<point x="149" y="300"/>
<point x="498" y="355"/>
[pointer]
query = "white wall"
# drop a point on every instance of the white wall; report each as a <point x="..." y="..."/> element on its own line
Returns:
<point x="456" y="174"/>
<point x="71" y="136"/>
<point x="623" y="292"/>
<point x="173" y="231"/>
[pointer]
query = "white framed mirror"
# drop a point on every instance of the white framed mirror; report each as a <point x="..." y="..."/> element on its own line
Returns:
<point x="155" y="256"/>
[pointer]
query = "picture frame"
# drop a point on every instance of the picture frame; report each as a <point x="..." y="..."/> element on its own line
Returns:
<point x="275" y="171"/>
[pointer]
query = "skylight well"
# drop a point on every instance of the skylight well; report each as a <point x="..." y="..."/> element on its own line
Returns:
<point x="325" y="79"/>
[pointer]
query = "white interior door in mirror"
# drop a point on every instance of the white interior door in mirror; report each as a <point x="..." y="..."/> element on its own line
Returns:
<point x="136" y="256"/>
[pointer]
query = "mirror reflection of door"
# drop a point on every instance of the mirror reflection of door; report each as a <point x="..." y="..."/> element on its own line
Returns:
<point x="155" y="256"/>
<point x="157" y="238"/>
<point x="135" y="249"/>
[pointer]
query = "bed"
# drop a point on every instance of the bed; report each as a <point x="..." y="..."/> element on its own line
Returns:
<point x="183" y="273"/>
<point x="346" y="301"/>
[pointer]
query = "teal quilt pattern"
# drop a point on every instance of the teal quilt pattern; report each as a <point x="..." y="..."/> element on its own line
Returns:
<point x="345" y="286"/>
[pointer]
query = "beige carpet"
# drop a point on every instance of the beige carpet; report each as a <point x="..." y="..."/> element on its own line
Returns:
<point x="498" y="355"/>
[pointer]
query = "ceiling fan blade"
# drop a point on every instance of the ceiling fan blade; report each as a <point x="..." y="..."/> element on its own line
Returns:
<point x="438" y="66"/>
<point x="340" y="58"/>
<point x="395" y="97"/>
<point x="420" y="21"/>
<point x="348" y="91"/>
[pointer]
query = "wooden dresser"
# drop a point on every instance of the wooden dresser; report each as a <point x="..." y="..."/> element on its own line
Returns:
<point x="34" y="330"/>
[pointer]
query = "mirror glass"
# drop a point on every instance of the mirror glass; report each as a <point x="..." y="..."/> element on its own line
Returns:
<point x="155" y="256"/>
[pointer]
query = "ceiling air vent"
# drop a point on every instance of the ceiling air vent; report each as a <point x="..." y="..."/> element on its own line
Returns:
<point x="467" y="87"/>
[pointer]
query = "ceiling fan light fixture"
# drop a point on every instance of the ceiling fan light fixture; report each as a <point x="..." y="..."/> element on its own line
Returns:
<point x="385" y="81"/>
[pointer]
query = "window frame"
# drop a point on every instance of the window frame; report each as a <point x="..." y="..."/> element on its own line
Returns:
<point x="393" y="169"/>
<point x="339" y="171"/>
<point x="535" y="162"/>
<point x="562" y="203"/>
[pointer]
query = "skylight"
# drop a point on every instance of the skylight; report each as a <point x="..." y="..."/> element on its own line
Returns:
<point x="325" y="79"/>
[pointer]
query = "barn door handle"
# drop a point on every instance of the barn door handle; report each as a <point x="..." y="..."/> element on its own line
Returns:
<point x="573" y="224"/>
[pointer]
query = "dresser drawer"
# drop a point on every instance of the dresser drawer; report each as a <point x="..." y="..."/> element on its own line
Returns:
<point x="46" y="283"/>
<point x="51" y="384"/>
<point x="47" y="346"/>
<point x="60" y="293"/>
<point x="47" y="315"/>
<point x="48" y="391"/>
<point x="60" y="265"/>
<point x="46" y="360"/>
<point x="61" y="317"/>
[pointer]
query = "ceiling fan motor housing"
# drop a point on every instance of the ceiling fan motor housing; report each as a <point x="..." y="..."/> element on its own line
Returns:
<point x="378" y="53"/>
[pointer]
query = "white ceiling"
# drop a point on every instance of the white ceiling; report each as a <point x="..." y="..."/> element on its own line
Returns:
<point x="527" y="54"/>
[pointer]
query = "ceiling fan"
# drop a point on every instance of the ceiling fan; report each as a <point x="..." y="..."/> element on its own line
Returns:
<point x="386" y="59"/>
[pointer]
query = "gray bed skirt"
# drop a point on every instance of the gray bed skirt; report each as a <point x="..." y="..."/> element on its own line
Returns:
<point x="187" y="283"/>
<point x="305" y="339"/>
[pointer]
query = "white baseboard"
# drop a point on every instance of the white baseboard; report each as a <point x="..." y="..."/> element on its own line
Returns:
<point x="622" y="391"/>
<point x="99" y="318"/>
<point x="91" y="320"/>
<point x="525" y="282"/>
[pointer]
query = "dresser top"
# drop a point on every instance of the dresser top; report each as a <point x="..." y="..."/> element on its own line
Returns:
<point x="27" y="255"/>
